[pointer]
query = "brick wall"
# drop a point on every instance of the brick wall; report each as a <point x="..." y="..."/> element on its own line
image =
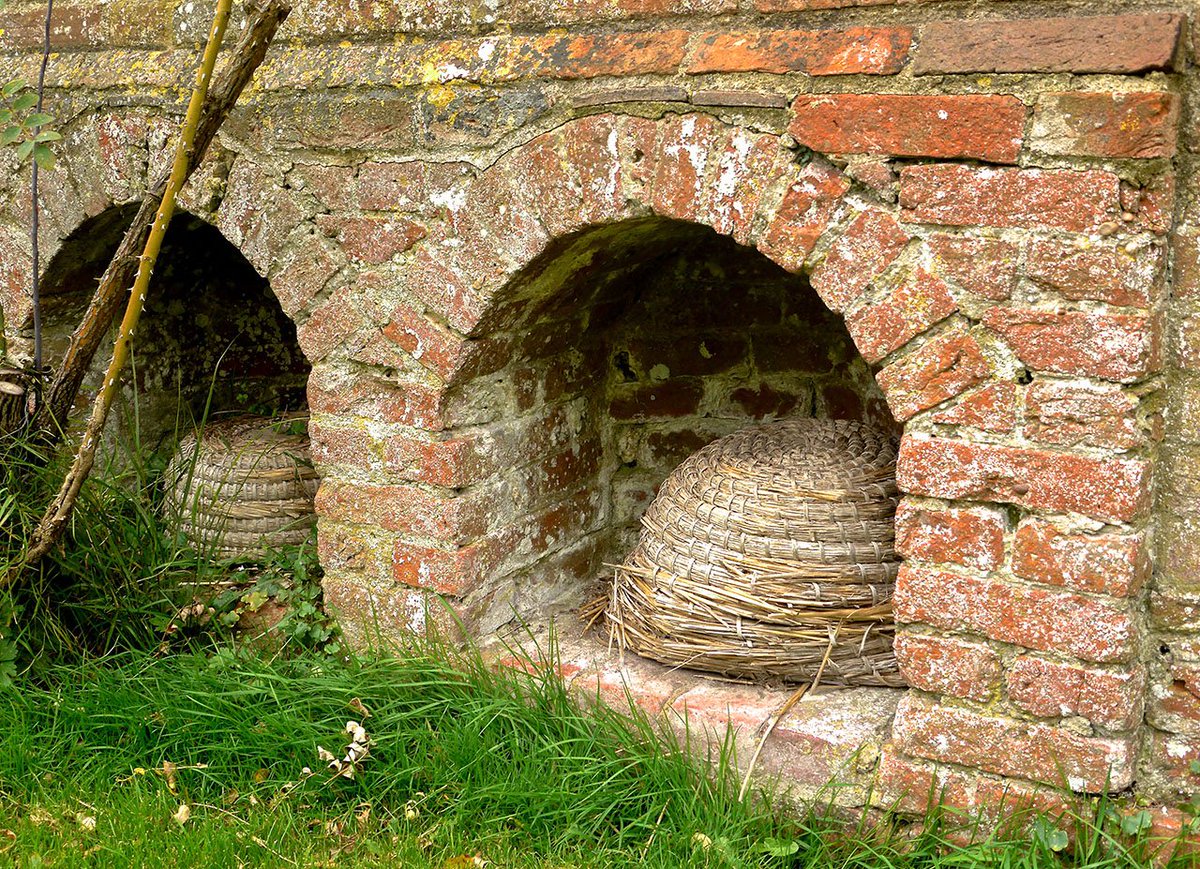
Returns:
<point x="452" y="201"/>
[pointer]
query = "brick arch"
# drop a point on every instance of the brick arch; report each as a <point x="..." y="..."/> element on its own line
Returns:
<point x="410" y="504"/>
<point x="801" y="213"/>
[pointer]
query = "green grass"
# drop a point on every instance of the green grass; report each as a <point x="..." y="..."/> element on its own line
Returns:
<point x="496" y="764"/>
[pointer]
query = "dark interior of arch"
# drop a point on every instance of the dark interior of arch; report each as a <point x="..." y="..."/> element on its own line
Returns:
<point x="615" y="355"/>
<point x="210" y="321"/>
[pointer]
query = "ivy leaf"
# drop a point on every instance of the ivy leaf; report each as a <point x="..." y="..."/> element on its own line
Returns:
<point x="25" y="149"/>
<point x="26" y="100"/>
<point x="779" y="847"/>
<point x="11" y="87"/>
<point x="10" y="135"/>
<point x="44" y="157"/>
<point x="1050" y="836"/>
<point x="1138" y="822"/>
<point x="47" y="136"/>
<point x="37" y="119"/>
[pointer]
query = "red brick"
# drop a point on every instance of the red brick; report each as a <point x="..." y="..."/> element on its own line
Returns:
<point x="334" y="322"/>
<point x="408" y="404"/>
<point x="939" y="370"/>
<point x="1036" y="618"/>
<point x="431" y="344"/>
<point x="1099" y="43"/>
<point x="1152" y="203"/>
<point x="1037" y="752"/>
<point x="1103" y="274"/>
<point x="862" y="50"/>
<point x="1082" y="414"/>
<point x="304" y="276"/>
<point x="1048" y="689"/>
<point x="985" y="267"/>
<point x="684" y="149"/>
<point x="673" y="398"/>
<point x="1076" y="201"/>
<point x="1121" y="347"/>
<point x="1111" y="489"/>
<point x="804" y="214"/>
<point x="454" y="572"/>
<point x="981" y="127"/>
<point x="344" y="447"/>
<point x="407" y="509"/>
<point x="587" y="11"/>
<point x="447" y="291"/>
<point x="917" y="787"/>
<point x="943" y="665"/>
<point x="992" y="408"/>
<point x="868" y="246"/>
<point x="1185" y="274"/>
<point x="588" y="56"/>
<point x="806" y="5"/>
<point x="1115" y="564"/>
<point x="972" y="537"/>
<point x="1122" y="125"/>
<point x="747" y="165"/>
<point x="885" y="325"/>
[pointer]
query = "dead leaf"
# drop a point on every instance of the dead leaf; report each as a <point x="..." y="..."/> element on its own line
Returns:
<point x="41" y="818"/>
<point x="87" y="823"/>
<point x="168" y="770"/>
<point x="182" y="814"/>
<point x="261" y="775"/>
<point x="359" y="707"/>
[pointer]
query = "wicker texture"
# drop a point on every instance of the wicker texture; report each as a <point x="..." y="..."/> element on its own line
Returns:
<point x="762" y="550"/>
<point x="247" y="486"/>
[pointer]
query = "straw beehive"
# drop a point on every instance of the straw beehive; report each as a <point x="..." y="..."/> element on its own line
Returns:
<point x="766" y="551"/>
<point x="244" y="486"/>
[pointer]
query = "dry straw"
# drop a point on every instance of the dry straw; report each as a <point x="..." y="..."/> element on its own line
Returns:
<point x="764" y="550"/>
<point x="244" y="486"/>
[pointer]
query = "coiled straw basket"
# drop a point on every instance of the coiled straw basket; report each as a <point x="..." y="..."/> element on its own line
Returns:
<point x="244" y="486"/>
<point x="767" y="551"/>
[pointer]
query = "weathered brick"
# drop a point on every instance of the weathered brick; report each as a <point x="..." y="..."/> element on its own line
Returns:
<point x="446" y="571"/>
<point x="673" y="398"/>
<point x="992" y="408"/>
<point x="1119" y="124"/>
<point x="1049" y="689"/>
<point x="981" y="127"/>
<point x="686" y="146"/>
<point x="407" y="509"/>
<point x="917" y="787"/>
<point x="1121" y="347"/>
<point x="1185" y="274"/>
<point x="803" y="215"/>
<point x="806" y="5"/>
<point x="334" y="322"/>
<point x="1103" y="488"/>
<point x="588" y="56"/>
<point x="1036" y="752"/>
<point x="431" y="344"/>
<point x="1099" y="43"/>
<point x="1104" y="274"/>
<point x="305" y="274"/>
<point x="1076" y="201"/>
<point x="972" y="537"/>
<point x="939" y="370"/>
<point x="1082" y="414"/>
<point x="884" y="325"/>
<point x="862" y="50"/>
<point x="334" y="392"/>
<point x="985" y="267"/>
<point x="372" y="239"/>
<point x="1036" y="618"/>
<point x="944" y="665"/>
<point x="868" y="246"/>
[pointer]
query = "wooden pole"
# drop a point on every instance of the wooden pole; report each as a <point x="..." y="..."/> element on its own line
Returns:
<point x="53" y="523"/>
<point x="51" y="418"/>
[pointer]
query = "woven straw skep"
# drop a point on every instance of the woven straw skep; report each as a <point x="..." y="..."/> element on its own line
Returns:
<point x="764" y="549"/>
<point x="243" y="487"/>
